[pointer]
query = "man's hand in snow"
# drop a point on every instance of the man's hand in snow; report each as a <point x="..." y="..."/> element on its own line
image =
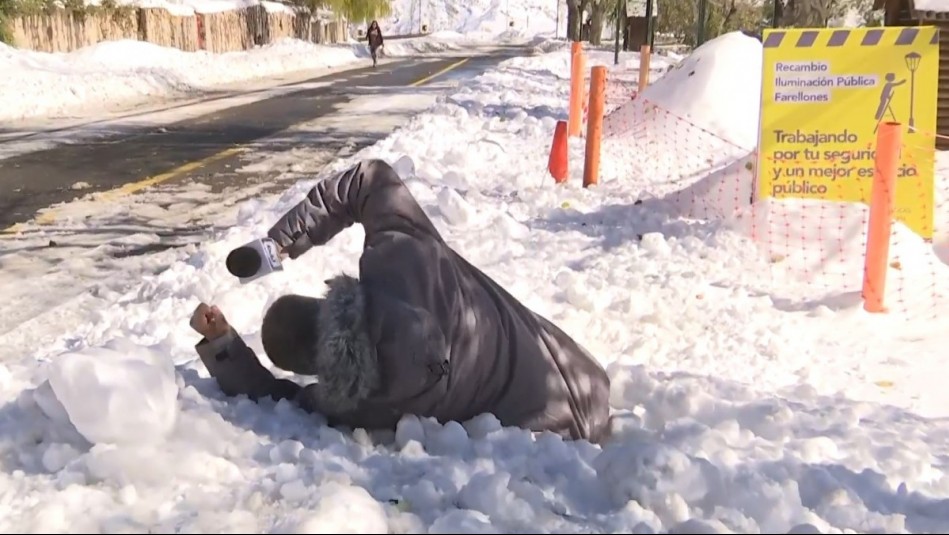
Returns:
<point x="209" y="322"/>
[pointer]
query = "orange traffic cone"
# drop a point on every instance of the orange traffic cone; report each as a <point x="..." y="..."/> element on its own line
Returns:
<point x="557" y="164"/>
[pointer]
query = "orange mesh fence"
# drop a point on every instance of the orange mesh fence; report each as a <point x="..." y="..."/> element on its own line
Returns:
<point x="816" y="247"/>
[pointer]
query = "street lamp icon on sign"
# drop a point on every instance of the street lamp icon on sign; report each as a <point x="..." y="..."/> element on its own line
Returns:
<point x="886" y="94"/>
<point x="912" y="63"/>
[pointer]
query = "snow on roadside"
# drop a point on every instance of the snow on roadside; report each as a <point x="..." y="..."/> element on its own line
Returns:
<point x="123" y="73"/>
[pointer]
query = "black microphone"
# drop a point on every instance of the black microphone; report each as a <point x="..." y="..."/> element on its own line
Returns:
<point x="244" y="262"/>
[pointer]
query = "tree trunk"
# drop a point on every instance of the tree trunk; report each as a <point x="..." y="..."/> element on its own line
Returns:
<point x="585" y="8"/>
<point x="729" y="12"/>
<point x="788" y="12"/>
<point x="597" y="17"/>
<point x="573" y="20"/>
<point x="807" y="13"/>
<point x="821" y="12"/>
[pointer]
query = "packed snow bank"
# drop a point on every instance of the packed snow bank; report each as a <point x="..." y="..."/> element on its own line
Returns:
<point x="117" y="394"/>
<point x="718" y="87"/>
<point x="692" y="131"/>
<point x="44" y="84"/>
<point x="735" y="410"/>
<point x="39" y="84"/>
<point x="419" y="46"/>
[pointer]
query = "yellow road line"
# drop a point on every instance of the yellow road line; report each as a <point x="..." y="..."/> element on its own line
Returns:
<point x="439" y="73"/>
<point x="50" y="215"/>
<point x="133" y="187"/>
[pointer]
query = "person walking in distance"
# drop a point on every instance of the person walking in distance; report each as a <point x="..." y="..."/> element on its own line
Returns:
<point x="374" y="35"/>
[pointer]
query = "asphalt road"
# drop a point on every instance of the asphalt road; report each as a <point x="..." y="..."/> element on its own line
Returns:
<point x="194" y="148"/>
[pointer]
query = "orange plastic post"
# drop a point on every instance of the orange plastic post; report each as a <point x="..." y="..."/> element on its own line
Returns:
<point x="583" y="83"/>
<point x="557" y="163"/>
<point x="644" y="55"/>
<point x="575" y="116"/>
<point x="882" y="200"/>
<point x="591" y="159"/>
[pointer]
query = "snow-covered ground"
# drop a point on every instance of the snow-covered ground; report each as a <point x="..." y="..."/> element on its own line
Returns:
<point x="747" y="399"/>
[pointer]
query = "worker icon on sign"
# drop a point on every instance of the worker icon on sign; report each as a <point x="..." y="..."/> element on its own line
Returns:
<point x="886" y="99"/>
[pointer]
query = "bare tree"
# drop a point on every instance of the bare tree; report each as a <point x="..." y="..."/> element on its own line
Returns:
<point x="728" y="9"/>
<point x="573" y="20"/>
<point x="814" y="13"/>
<point x="808" y="13"/>
<point x="858" y="12"/>
<point x="598" y="16"/>
<point x="680" y="18"/>
<point x="677" y="17"/>
<point x="777" y="12"/>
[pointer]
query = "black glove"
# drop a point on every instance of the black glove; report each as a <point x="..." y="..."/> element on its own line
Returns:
<point x="300" y="245"/>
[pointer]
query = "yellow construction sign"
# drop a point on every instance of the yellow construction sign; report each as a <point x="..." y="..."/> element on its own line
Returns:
<point x="824" y="93"/>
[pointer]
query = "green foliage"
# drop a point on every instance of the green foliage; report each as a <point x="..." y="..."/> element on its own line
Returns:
<point x="820" y="13"/>
<point x="767" y="12"/>
<point x="733" y="15"/>
<point x="679" y="18"/>
<point x="6" y="36"/>
<point x="351" y="10"/>
<point x="364" y="10"/>
<point x="10" y="9"/>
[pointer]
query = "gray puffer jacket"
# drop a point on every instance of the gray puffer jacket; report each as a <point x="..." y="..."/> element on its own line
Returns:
<point x="422" y="331"/>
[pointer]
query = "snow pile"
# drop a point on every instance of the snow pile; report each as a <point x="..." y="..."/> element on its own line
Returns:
<point x="486" y="19"/>
<point x="42" y="84"/>
<point x="38" y="84"/>
<point x="736" y="409"/>
<point x="430" y="44"/>
<point x="692" y="132"/>
<point x="111" y="73"/>
<point x="717" y="88"/>
<point x="120" y="393"/>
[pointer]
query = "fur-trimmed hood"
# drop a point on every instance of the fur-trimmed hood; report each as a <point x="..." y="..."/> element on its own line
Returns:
<point x="346" y="363"/>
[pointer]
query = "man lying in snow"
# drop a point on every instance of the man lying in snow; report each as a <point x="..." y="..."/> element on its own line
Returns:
<point x="420" y="332"/>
